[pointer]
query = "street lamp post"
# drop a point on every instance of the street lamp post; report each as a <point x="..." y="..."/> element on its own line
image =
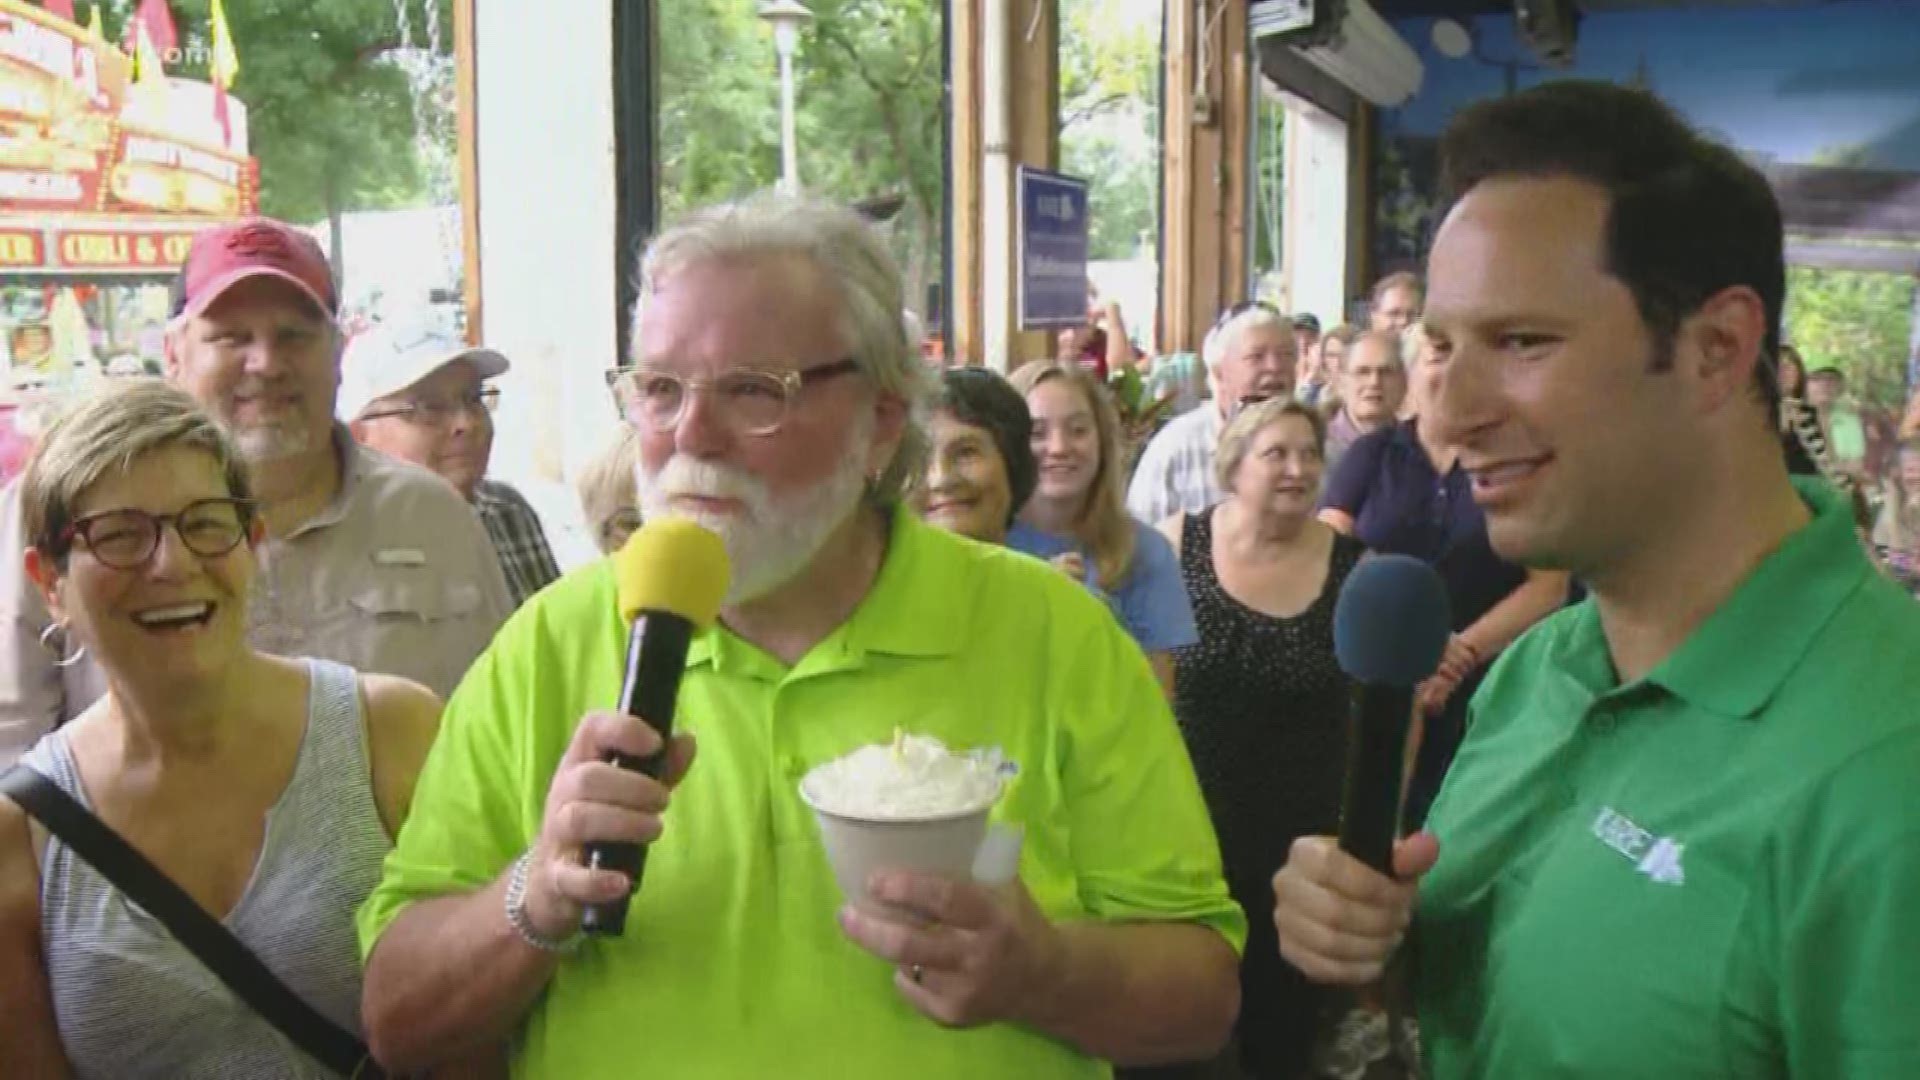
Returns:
<point x="786" y="17"/>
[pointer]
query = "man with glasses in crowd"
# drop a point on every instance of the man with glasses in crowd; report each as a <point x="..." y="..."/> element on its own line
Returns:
<point x="367" y="561"/>
<point x="1395" y="302"/>
<point x="421" y="395"/>
<point x="1374" y="386"/>
<point x="1250" y="355"/>
<point x="773" y="401"/>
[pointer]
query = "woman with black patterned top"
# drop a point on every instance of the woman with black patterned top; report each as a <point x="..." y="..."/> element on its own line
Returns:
<point x="1260" y="699"/>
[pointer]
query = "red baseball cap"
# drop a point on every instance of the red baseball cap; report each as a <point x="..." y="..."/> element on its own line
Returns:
<point x="225" y="255"/>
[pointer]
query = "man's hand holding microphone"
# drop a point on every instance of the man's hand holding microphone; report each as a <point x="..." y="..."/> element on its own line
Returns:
<point x="1341" y="907"/>
<point x="593" y="800"/>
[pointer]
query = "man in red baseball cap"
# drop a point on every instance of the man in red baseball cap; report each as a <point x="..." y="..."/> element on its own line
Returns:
<point x="367" y="561"/>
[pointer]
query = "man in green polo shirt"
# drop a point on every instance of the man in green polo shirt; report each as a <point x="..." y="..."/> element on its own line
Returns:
<point x="773" y="403"/>
<point x="1681" y="838"/>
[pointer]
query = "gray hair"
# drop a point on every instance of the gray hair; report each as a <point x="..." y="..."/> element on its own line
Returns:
<point x="1214" y="348"/>
<point x="849" y="251"/>
<point x="1394" y="344"/>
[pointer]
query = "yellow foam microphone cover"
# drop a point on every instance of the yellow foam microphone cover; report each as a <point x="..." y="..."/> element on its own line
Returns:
<point x="672" y="564"/>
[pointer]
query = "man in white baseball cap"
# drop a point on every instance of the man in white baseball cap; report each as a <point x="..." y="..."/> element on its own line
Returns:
<point x="420" y="394"/>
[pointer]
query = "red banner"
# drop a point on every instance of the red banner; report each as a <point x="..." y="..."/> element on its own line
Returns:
<point x="156" y="174"/>
<point x="75" y="137"/>
<point x="21" y="248"/>
<point x="119" y="249"/>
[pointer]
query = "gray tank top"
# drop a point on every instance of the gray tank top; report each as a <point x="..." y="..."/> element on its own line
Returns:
<point x="131" y="1002"/>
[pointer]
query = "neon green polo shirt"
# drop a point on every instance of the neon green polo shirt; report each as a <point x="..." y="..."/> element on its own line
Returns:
<point x="1711" y="872"/>
<point x="733" y="964"/>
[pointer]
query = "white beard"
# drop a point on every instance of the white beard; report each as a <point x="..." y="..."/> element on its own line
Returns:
<point x="773" y="539"/>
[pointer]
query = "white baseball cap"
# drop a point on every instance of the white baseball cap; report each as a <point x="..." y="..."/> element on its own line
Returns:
<point x="388" y="359"/>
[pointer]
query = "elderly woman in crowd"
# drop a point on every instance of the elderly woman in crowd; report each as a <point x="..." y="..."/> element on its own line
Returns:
<point x="1259" y="697"/>
<point x="980" y="470"/>
<point x="268" y="789"/>
<point x="609" y="495"/>
<point x="1398" y="490"/>
<point x="1078" y="517"/>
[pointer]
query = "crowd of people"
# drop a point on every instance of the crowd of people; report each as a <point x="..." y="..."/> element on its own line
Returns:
<point x="269" y="621"/>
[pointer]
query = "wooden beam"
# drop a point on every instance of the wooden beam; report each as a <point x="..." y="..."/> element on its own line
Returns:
<point x="964" y="154"/>
<point x="1362" y="165"/>
<point x="1236" y="156"/>
<point x="1176" y="225"/>
<point x="1035" y="71"/>
<point x="467" y="132"/>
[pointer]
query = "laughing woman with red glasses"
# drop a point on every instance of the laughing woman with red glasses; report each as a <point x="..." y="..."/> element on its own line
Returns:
<point x="267" y="789"/>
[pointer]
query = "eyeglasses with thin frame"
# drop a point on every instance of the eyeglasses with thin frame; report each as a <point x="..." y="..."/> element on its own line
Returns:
<point x="126" y="539"/>
<point x="438" y="412"/>
<point x="754" y="402"/>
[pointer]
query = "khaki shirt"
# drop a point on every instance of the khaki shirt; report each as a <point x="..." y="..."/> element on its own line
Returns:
<point x="395" y="575"/>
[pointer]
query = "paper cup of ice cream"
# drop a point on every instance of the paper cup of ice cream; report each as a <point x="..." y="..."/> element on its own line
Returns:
<point x="914" y="805"/>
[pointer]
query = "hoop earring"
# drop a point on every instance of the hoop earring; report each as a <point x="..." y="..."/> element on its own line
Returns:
<point x="46" y="642"/>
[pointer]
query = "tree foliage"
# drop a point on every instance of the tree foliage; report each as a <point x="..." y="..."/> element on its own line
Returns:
<point x="1859" y="320"/>
<point x="869" y="103"/>
<point x="1110" y="122"/>
<point x="331" y="117"/>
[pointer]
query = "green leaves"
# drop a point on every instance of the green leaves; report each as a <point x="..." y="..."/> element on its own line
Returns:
<point x="869" y="105"/>
<point x="1860" y="321"/>
<point x="331" y="117"/>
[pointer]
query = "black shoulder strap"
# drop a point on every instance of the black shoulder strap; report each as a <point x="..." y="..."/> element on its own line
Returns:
<point x="190" y="924"/>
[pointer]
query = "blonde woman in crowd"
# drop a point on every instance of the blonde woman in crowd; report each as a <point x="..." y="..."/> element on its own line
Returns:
<point x="609" y="495"/>
<point x="1077" y="517"/>
<point x="1260" y="699"/>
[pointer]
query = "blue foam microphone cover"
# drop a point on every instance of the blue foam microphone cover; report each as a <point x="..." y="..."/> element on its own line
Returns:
<point x="1390" y="628"/>
<point x="1391" y="621"/>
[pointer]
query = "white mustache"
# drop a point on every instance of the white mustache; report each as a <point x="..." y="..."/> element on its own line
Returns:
<point x="684" y="476"/>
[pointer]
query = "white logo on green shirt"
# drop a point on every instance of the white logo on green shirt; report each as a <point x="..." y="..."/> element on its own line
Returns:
<point x="1656" y="857"/>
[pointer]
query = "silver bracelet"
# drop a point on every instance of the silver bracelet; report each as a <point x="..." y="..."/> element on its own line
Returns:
<point x="517" y="912"/>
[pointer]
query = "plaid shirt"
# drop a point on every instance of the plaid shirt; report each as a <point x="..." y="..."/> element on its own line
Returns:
<point x="517" y="538"/>
<point x="1175" y="474"/>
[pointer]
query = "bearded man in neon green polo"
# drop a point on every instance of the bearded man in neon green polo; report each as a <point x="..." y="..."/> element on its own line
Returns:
<point x="773" y="403"/>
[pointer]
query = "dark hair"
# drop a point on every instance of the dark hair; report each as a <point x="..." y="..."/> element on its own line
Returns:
<point x="1688" y="218"/>
<point x="1790" y="356"/>
<point x="980" y="398"/>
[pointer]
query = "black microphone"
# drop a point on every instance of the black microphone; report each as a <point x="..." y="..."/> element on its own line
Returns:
<point x="670" y="577"/>
<point x="1390" y="629"/>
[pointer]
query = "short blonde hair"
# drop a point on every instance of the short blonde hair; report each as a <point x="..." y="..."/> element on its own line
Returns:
<point x="1251" y="421"/>
<point x="608" y="485"/>
<point x="849" y="252"/>
<point x="104" y="434"/>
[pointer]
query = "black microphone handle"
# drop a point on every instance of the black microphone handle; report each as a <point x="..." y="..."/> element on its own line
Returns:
<point x="649" y="689"/>
<point x="1376" y="756"/>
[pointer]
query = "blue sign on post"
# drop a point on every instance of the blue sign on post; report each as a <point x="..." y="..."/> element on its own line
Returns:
<point x="1052" y="250"/>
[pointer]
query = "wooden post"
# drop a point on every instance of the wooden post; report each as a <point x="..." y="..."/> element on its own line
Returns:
<point x="466" y="125"/>
<point x="1176" y="219"/>
<point x="1035" y="56"/>
<point x="1207" y="114"/>
<point x="964" y="177"/>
